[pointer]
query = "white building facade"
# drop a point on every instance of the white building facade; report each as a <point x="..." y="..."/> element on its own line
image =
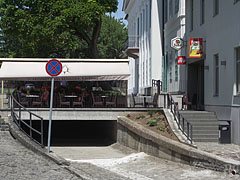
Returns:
<point x="174" y="75"/>
<point x="145" y="43"/>
<point x="214" y="79"/>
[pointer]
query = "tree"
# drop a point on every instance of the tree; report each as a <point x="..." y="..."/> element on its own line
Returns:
<point x="112" y="38"/>
<point x="43" y="27"/>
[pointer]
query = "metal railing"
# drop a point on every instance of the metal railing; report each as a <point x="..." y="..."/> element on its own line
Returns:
<point x="132" y="41"/>
<point x="181" y="121"/>
<point x="158" y="84"/>
<point x="16" y="111"/>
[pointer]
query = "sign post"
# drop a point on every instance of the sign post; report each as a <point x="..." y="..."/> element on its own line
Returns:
<point x="53" y="68"/>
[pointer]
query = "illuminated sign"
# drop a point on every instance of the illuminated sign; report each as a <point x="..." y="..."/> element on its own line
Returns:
<point x="181" y="60"/>
<point x="195" y="48"/>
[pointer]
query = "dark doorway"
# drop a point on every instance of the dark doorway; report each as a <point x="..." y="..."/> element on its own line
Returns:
<point x="196" y="84"/>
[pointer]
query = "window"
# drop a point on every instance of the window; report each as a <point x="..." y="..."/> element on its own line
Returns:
<point x="202" y="11"/>
<point x="176" y="66"/>
<point x="215" y="7"/>
<point x="191" y="15"/>
<point x="216" y="75"/>
<point x="176" y="6"/>
<point x="238" y="69"/>
<point x="150" y="14"/>
<point x="138" y="33"/>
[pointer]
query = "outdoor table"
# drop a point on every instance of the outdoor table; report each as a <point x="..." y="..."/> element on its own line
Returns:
<point x="104" y="100"/>
<point x="31" y="97"/>
<point x="71" y="97"/>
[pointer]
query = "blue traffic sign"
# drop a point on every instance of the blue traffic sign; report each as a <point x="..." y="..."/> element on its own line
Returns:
<point x="54" y="67"/>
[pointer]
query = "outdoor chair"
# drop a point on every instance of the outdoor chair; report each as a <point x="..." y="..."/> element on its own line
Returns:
<point x="185" y="102"/>
<point x="22" y="100"/>
<point x="97" y="101"/>
<point x="154" y="102"/>
<point x="79" y="101"/>
<point x="136" y="103"/>
<point x="111" y="101"/>
<point x="62" y="102"/>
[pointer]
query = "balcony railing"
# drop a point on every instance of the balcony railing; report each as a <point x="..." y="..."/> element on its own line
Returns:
<point x="132" y="41"/>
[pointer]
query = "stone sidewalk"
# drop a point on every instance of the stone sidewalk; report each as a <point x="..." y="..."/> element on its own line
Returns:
<point x="229" y="151"/>
<point x="19" y="163"/>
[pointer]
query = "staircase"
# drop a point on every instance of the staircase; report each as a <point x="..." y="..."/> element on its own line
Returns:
<point x="205" y="125"/>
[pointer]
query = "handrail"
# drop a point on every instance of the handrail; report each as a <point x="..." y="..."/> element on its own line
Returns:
<point x="178" y="118"/>
<point x="19" y="122"/>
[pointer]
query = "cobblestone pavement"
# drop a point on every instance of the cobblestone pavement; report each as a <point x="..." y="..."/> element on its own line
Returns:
<point x="225" y="150"/>
<point x="20" y="163"/>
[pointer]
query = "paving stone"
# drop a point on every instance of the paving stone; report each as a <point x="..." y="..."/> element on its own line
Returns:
<point x="18" y="162"/>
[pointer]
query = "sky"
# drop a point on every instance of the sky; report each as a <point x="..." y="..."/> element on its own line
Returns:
<point x="120" y="13"/>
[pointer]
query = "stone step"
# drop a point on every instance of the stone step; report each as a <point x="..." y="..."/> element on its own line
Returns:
<point x="202" y="120"/>
<point x="205" y="125"/>
<point x="207" y="128"/>
<point x="200" y="132"/>
<point x="206" y="139"/>
<point x="205" y="136"/>
<point x="209" y="123"/>
<point x="196" y="112"/>
<point x="200" y="117"/>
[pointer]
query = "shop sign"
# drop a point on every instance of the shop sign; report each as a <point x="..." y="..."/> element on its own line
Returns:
<point x="195" y="48"/>
<point x="177" y="43"/>
<point x="181" y="60"/>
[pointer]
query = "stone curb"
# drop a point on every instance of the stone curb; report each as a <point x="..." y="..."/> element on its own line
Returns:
<point x="23" y="139"/>
<point x="141" y="138"/>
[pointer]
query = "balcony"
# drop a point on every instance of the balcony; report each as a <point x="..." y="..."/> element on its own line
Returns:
<point x="132" y="46"/>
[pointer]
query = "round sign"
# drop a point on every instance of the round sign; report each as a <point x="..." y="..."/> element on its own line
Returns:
<point x="54" y="67"/>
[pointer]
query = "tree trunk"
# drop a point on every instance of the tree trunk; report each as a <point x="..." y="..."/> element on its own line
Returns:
<point x="92" y="50"/>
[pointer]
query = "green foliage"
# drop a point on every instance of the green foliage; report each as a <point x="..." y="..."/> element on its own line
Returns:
<point x="158" y="119"/>
<point x="151" y="112"/>
<point x="53" y="28"/>
<point x="140" y="117"/>
<point x="161" y="128"/>
<point x="112" y="38"/>
<point x="151" y="122"/>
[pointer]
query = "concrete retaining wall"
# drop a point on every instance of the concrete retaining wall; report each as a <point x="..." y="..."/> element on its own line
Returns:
<point x="140" y="138"/>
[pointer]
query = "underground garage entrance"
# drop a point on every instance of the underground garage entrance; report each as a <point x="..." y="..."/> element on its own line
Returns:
<point x="79" y="132"/>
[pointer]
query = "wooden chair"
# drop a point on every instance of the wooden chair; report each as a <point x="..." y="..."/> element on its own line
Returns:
<point x="23" y="101"/>
<point x="136" y="103"/>
<point x="97" y="101"/>
<point x="154" y="103"/>
<point x="185" y="102"/>
<point x="63" y="103"/>
<point x="111" y="101"/>
<point x="79" y="101"/>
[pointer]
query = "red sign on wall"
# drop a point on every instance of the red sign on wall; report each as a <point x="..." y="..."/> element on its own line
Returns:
<point x="181" y="60"/>
<point x="195" y="48"/>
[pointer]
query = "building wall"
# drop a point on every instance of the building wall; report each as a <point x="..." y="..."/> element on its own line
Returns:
<point x="144" y="23"/>
<point x="174" y="27"/>
<point x="221" y="36"/>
